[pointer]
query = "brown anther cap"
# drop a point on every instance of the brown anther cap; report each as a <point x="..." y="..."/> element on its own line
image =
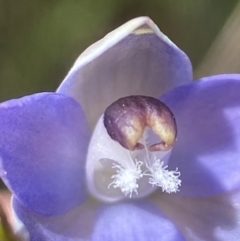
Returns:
<point x="126" y="119"/>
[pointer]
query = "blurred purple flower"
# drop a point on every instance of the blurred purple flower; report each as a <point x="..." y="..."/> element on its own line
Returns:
<point x="44" y="140"/>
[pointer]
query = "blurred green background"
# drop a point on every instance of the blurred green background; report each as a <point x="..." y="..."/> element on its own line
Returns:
<point x="40" y="39"/>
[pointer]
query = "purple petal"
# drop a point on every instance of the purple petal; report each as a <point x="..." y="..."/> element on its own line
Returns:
<point x="136" y="58"/>
<point x="212" y="218"/>
<point x="208" y="144"/>
<point x="98" y="222"/>
<point x="43" y="144"/>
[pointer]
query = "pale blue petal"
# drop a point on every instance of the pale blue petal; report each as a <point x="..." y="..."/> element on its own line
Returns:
<point x="136" y="58"/>
<point x="214" y="218"/>
<point x="138" y="221"/>
<point x="43" y="144"/>
<point x="207" y="150"/>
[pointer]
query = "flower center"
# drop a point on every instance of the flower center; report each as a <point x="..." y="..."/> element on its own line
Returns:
<point x="127" y="178"/>
<point x="130" y="148"/>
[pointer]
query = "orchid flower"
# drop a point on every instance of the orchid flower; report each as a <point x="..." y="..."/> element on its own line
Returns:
<point x="127" y="148"/>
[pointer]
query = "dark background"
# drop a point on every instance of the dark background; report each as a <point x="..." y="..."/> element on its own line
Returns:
<point x="40" y="39"/>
